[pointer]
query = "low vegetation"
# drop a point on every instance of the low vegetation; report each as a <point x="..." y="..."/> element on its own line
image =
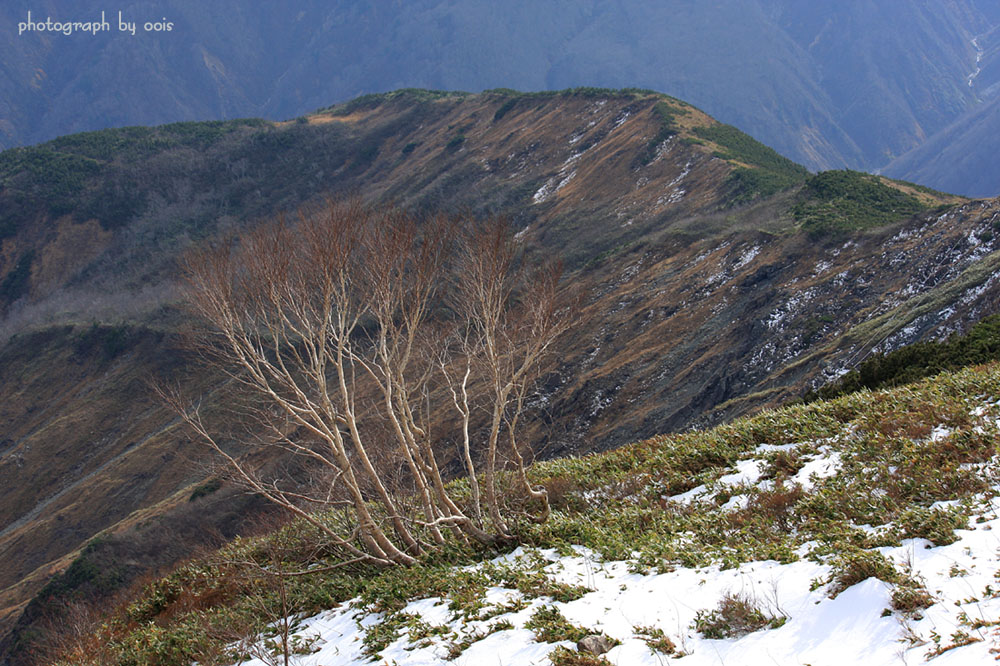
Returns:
<point x="842" y="201"/>
<point x="666" y="114"/>
<point x="922" y="359"/>
<point x="373" y="100"/>
<point x="661" y="504"/>
<point x="656" y="640"/>
<point x="760" y="171"/>
<point x="737" y="614"/>
<point x="562" y="656"/>
<point x="92" y="175"/>
<point x="855" y="566"/>
<point x="550" y="626"/>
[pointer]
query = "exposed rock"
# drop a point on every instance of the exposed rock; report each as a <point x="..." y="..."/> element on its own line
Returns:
<point x="595" y="644"/>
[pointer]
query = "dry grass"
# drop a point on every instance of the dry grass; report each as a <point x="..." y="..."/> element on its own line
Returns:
<point x="737" y="614"/>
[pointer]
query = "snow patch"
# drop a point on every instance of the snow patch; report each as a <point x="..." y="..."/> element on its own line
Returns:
<point x="850" y="629"/>
<point x="823" y="466"/>
<point x="747" y="257"/>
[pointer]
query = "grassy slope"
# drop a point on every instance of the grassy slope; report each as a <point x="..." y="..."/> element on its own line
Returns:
<point x="890" y="458"/>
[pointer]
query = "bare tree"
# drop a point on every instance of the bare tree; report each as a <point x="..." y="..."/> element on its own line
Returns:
<point x="359" y="329"/>
<point x="266" y="590"/>
<point x="71" y="635"/>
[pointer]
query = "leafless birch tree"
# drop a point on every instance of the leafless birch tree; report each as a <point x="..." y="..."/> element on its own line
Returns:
<point x="374" y="342"/>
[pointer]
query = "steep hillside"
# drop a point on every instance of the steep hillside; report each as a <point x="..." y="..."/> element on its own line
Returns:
<point x="102" y="213"/>
<point x="721" y="325"/>
<point x="860" y="530"/>
<point x="93" y="223"/>
<point x="719" y="277"/>
<point x="960" y="158"/>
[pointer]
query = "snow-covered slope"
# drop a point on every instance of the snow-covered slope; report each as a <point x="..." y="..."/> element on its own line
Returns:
<point x="856" y="627"/>
<point x="915" y="461"/>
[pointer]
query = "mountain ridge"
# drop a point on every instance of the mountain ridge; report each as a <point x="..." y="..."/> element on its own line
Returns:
<point x="706" y="287"/>
<point x="776" y="68"/>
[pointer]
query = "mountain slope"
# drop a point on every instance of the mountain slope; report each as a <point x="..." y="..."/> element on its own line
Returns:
<point x="709" y="289"/>
<point x="960" y="158"/>
<point x="93" y="224"/>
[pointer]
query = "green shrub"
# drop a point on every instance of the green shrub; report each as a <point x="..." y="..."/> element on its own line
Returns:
<point x="47" y="175"/>
<point x="87" y="570"/>
<point x="505" y="108"/>
<point x="656" y="639"/>
<point x="562" y="656"/>
<point x="204" y="489"/>
<point x="736" y="615"/>
<point x="769" y="171"/>
<point x="935" y="525"/>
<point x="841" y="201"/>
<point x="853" y="567"/>
<point x="550" y="626"/>
<point x="981" y="344"/>
<point x="665" y="114"/>
<point x="910" y="596"/>
<point x="745" y="185"/>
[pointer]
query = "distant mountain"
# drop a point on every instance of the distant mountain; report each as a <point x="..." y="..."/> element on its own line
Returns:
<point x="962" y="156"/>
<point x="831" y="85"/>
<point x="719" y="276"/>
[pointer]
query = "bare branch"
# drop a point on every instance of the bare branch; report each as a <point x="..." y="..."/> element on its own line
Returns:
<point x="332" y="323"/>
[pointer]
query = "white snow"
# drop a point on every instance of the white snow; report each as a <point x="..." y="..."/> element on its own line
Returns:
<point x="973" y="293"/>
<point x="822" y="267"/>
<point x="676" y="193"/>
<point x="971" y="78"/>
<point x="747" y="257"/>
<point x="939" y="433"/>
<point x="544" y="191"/>
<point x="822" y="466"/>
<point x="852" y="628"/>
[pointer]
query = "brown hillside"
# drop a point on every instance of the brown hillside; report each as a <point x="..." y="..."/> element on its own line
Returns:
<point x="697" y="310"/>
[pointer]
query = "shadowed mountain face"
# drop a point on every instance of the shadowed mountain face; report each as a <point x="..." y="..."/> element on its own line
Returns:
<point x="831" y="85"/>
<point x="719" y="277"/>
<point x="961" y="156"/>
